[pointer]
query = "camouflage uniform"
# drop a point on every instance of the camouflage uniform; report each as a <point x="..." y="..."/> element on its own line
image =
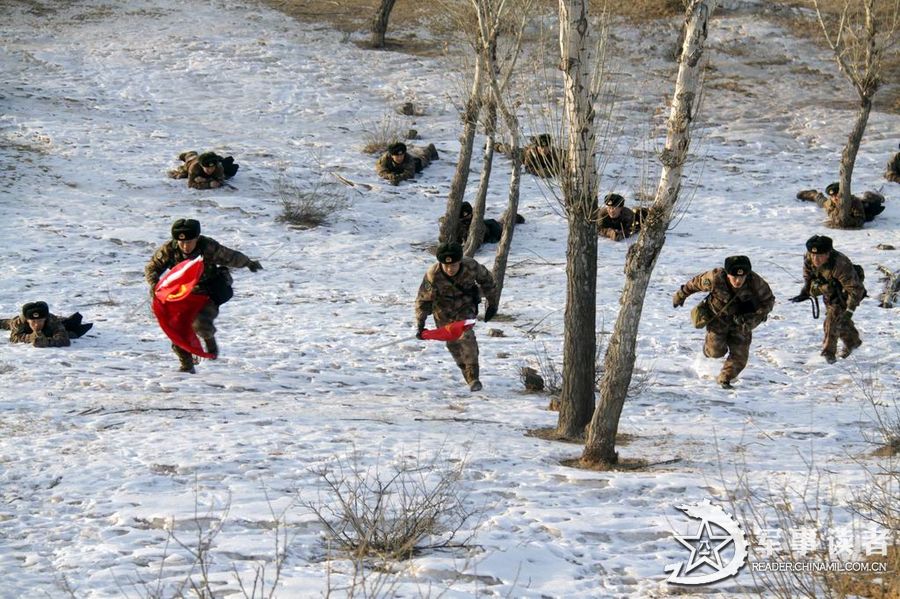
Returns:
<point x="545" y="163"/>
<point x="738" y="312"/>
<point x="833" y="210"/>
<point x="198" y="179"/>
<point x="839" y="285"/>
<point x="616" y="229"/>
<point x="53" y="334"/>
<point x="450" y="299"/>
<point x="215" y="281"/>
<point x="892" y="173"/>
<point x="415" y="160"/>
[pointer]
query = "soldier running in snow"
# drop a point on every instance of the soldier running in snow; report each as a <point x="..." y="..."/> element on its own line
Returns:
<point x="738" y="301"/>
<point x="831" y="274"/>
<point x="215" y="282"/>
<point x="37" y="326"/>
<point x="204" y="171"/>
<point x="399" y="163"/>
<point x="861" y="210"/>
<point x="892" y="172"/>
<point x="451" y="290"/>
<point x="615" y="221"/>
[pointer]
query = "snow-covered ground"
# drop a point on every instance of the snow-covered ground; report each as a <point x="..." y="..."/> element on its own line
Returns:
<point x="104" y="448"/>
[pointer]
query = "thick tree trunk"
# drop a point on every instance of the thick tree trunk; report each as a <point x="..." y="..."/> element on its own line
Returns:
<point x="620" y="355"/>
<point x="466" y="141"/>
<point x="579" y="188"/>
<point x="476" y="229"/>
<point x="848" y="158"/>
<point x="380" y="22"/>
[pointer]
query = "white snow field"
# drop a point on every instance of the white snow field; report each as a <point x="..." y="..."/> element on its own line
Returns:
<point x="105" y="448"/>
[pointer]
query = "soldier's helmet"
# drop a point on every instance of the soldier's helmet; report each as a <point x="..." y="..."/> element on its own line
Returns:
<point x="35" y="310"/>
<point x="819" y="244"/>
<point x="737" y="266"/>
<point x="185" y="229"/>
<point x="208" y="159"/>
<point x="448" y="253"/>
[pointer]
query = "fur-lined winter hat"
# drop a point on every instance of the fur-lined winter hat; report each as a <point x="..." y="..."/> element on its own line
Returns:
<point x="397" y="148"/>
<point x="465" y="210"/>
<point x="35" y="310"/>
<point x="819" y="244"/>
<point x="737" y="266"/>
<point x="185" y="229"/>
<point x="448" y="253"/>
<point x="209" y="159"/>
<point x="833" y="189"/>
<point x="613" y="200"/>
<point x="543" y="140"/>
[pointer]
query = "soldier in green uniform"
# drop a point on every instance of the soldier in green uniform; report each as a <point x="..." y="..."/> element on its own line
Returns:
<point x="616" y="221"/>
<point x="892" y="172"/>
<point x="738" y="301"/>
<point x="400" y="163"/>
<point x="831" y="274"/>
<point x="451" y="290"/>
<point x="187" y="243"/>
<point x="37" y="326"/>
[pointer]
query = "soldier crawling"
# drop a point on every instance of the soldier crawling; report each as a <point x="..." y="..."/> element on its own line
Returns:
<point x="738" y="301"/>
<point x="862" y="210"/>
<point x="204" y="171"/>
<point x="399" y="163"/>
<point x="37" y="326"/>
<point x="451" y="290"/>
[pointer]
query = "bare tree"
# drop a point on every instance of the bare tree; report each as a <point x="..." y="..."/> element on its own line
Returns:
<point x="864" y="32"/>
<point x="620" y="355"/>
<point x="579" y="185"/>
<point x="380" y="22"/>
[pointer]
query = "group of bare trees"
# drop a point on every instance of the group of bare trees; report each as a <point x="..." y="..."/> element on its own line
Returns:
<point x="860" y="34"/>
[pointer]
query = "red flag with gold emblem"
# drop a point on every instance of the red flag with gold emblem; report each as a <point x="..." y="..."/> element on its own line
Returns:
<point x="449" y="332"/>
<point x="176" y="307"/>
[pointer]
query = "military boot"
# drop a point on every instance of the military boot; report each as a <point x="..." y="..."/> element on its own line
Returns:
<point x="212" y="347"/>
<point x="724" y="381"/>
<point x="471" y="374"/>
<point x="829" y="356"/>
<point x="848" y="348"/>
<point x="185" y="359"/>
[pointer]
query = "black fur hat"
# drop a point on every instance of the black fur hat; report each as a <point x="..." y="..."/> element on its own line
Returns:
<point x="35" y="310"/>
<point x="544" y="140"/>
<point x="465" y="210"/>
<point x="613" y="199"/>
<point x="185" y="229"/>
<point x="397" y="148"/>
<point x="737" y="266"/>
<point x="819" y="244"/>
<point x="448" y="253"/>
<point x="833" y="189"/>
<point x="209" y="159"/>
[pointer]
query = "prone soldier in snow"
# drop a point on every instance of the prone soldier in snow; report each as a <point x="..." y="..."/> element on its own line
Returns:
<point x="892" y="172"/>
<point x="37" y="326"/>
<point x="831" y="274"/>
<point x="451" y="290"/>
<point x="204" y="171"/>
<point x="738" y="301"/>
<point x="541" y="159"/>
<point x="400" y="163"/>
<point x="862" y="210"/>
<point x="616" y="221"/>
<point x="492" y="232"/>
<point x="186" y="244"/>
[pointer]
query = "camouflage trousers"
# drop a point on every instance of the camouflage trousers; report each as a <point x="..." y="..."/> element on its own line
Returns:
<point x="732" y="341"/>
<point x="203" y="326"/>
<point x="465" y="353"/>
<point x="836" y="328"/>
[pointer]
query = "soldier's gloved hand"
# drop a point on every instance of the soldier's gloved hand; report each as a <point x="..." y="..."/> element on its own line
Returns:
<point x="254" y="266"/>
<point x="800" y="298"/>
<point x="490" y="311"/>
<point x="40" y="340"/>
<point x="678" y="298"/>
<point x="419" y="328"/>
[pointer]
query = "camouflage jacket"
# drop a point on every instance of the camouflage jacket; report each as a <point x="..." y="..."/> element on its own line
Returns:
<point x="615" y="228"/>
<point x="857" y="211"/>
<point x="542" y="165"/>
<point x="54" y="334"/>
<point x="393" y="172"/>
<point x="753" y="300"/>
<point x="836" y="280"/>
<point x="214" y="255"/>
<point x="453" y="298"/>
<point x="198" y="179"/>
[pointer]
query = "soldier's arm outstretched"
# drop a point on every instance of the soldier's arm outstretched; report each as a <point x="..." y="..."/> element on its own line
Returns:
<point x="702" y="282"/>
<point x="424" y="301"/>
<point x="232" y="258"/>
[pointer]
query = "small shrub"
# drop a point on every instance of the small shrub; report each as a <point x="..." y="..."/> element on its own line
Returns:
<point x="306" y="209"/>
<point x="378" y="135"/>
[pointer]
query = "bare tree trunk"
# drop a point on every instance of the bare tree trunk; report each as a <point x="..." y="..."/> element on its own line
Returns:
<point x="848" y="159"/>
<point x="620" y="355"/>
<point x="380" y="22"/>
<point x="579" y="187"/>
<point x="466" y="141"/>
<point x="509" y="221"/>
<point x="476" y="229"/>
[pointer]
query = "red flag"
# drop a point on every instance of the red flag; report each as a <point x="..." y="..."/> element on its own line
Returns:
<point x="176" y="307"/>
<point x="450" y="332"/>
